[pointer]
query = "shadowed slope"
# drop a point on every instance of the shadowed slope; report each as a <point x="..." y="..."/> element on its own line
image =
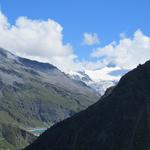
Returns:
<point x="119" y="121"/>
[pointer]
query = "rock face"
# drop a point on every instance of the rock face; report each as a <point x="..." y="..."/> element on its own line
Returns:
<point x="99" y="79"/>
<point x="119" y="121"/>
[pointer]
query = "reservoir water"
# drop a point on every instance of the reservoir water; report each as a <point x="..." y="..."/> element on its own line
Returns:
<point x="38" y="131"/>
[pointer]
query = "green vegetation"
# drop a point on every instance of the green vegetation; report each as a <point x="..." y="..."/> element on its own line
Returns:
<point x="13" y="137"/>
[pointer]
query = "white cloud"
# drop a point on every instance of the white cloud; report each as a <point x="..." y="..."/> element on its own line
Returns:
<point x="37" y="39"/>
<point x="90" y="39"/>
<point x="43" y="41"/>
<point x="128" y="53"/>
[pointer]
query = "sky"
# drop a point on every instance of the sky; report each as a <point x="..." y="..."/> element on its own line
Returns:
<point x="77" y="34"/>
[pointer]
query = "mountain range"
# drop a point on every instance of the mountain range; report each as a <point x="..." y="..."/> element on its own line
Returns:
<point x="120" y="120"/>
<point x="34" y="94"/>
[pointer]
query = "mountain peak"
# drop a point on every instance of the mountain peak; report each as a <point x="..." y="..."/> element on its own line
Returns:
<point x="6" y="54"/>
<point x="3" y="53"/>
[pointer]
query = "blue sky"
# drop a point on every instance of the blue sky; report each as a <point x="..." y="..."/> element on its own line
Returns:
<point x="105" y="18"/>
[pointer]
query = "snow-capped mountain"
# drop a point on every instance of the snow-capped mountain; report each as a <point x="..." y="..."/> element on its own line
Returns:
<point x="99" y="79"/>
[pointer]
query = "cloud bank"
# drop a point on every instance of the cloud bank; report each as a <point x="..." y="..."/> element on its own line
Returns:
<point x="127" y="53"/>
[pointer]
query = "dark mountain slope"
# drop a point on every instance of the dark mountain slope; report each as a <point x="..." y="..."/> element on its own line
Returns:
<point x="119" y="121"/>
